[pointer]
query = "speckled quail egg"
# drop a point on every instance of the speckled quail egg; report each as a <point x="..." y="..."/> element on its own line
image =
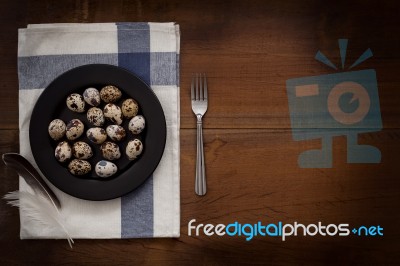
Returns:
<point x="96" y="135"/>
<point x="63" y="152"/>
<point x="113" y="113"/>
<point x="75" y="129"/>
<point x="137" y="124"/>
<point x="105" y="168"/>
<point x="76" y="103"/>
<point x="129" y="108"/>
<point x="95" y="116"/>
<point x="92" y="96"/>
<point x="133" y="149"/>
<point x="110" y="151"/>
<point x="110" y="94"/>
<point x="57" y="129"/>
<point x="82" y="150"/>
<point x="115" y="132"/>
<point x="79" y="167"/>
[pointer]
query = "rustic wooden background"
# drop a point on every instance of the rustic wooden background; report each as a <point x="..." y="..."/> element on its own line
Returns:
<point x="248" y="49"/>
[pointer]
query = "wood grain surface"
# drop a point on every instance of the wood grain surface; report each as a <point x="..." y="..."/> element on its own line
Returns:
<point x="248" y="50"/>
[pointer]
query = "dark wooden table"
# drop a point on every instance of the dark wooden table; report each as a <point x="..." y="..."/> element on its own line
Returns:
<point x="248" y="49"/>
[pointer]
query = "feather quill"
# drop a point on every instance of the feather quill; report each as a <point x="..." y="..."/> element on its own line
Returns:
<point x="38" y="209"/>
<point x="32" y="177"/>
<point x="42" y="206"/>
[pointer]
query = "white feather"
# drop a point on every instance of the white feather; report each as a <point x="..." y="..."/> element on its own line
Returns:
<point x="39" y="209"/>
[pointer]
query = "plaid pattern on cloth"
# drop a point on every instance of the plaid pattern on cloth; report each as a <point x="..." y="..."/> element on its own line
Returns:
<point x="151" y="52"/>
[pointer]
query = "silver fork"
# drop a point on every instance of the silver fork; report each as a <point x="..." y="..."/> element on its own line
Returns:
<point x="199" y="107"/>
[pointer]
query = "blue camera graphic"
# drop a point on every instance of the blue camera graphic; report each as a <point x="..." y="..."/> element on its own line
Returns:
<point x="345" y="103"/>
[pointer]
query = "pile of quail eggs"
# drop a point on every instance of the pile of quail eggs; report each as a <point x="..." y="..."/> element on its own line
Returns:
<point x="74" y="152"/>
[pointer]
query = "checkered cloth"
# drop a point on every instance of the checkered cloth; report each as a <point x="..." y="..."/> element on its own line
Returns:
<point x="150" y="51"/>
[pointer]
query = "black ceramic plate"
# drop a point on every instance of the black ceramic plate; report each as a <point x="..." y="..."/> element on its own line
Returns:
<point x="51" y="105"/>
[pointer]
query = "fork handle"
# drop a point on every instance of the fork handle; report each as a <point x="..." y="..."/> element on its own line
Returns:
<point x="200" y="185"/>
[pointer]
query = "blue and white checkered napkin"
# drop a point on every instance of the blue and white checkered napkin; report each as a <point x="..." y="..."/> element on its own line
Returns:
<point x="149" y="50"/>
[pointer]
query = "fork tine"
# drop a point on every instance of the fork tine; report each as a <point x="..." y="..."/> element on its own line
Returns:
<point x="201" y="87"/>
<point x="205" y="87"/>
<point x="197" y="87"/>
<point x="192" y="88"/>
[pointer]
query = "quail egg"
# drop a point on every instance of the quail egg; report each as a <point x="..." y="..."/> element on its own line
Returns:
<point x="105" y="168"/>
<point x="137" y="124"/>
<point x="133" y="149"/>
<point x="63" y="152"/>
<point x="95" y="116"/>
<point x="115" y="132"/>
<point x="75" y="129"/>
<point x="76" y="103"/>
<point x="79" y="167"/>
<point x="113" y="113"/>
<point x="129" y="108"/>
<point x="82" y="150"/>
<point x="110" y="94"/>
<point x="57" y="129"/>
<point x="110" y="150"/>
<point x="92" y="96"/>
<point x="96" y="135"/>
